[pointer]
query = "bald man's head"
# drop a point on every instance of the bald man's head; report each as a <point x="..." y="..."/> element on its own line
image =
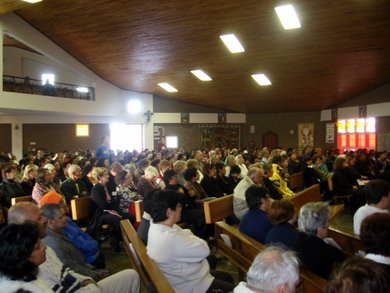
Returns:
<point x="24" y="212"/>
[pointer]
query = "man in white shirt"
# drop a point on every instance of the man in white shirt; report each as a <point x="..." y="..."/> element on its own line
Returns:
<point x="254" y="176"/>
<point x="377" y="193"/>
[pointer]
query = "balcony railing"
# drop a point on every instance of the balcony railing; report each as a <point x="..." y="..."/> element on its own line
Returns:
<point x="28" y="85"/>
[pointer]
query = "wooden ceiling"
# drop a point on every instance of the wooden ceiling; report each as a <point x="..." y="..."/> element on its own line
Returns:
<point x="341" y="51"/>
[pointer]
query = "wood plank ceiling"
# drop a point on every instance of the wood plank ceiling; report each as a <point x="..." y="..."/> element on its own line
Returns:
<point x="341" y="51"/>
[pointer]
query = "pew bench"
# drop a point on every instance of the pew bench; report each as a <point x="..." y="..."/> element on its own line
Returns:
<point x="296" y="181"/>
<point x="350" y="244"/>
<point x="81" y="210"/>
<point x="241" y="250"/>
<point x="15" y="200"/>
<point x="152" y="279"/>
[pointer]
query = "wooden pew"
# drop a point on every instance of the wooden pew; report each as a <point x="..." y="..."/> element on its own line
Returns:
<point x="81" y="209"/>
<point x="15" y="200"/>
<point x="218" y="209"/>
<point x="312" y="193"/>
<point x="296" y="181"/>
<point x="244" y="249"/>
<point x="150" y="273"/>
<point x="139" y="210"/>
<point x="350" y="244"/>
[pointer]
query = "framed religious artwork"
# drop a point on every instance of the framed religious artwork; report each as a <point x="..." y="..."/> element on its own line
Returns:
<point x="306" y="135"/>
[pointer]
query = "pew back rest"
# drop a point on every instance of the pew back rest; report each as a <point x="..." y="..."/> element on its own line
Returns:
<point x="349" y="243"/>
<point x="244" y="249"/>
<point x="148" y="270"/>
<point x="139" y="210"/>
<point x="296" y="181"/>
<point x="218" y="209"/>
<point x="80" y="208"/>
<point x="15" y="200"/>
<point x="312" y="193"/>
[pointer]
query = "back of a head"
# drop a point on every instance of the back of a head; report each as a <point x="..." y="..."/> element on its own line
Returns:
<point x="72" y="169"/>
<point x="20" y="212"/>
<point x="375" y="190"/>
<point x="51" y="210"/>
<point x="190" y="173"/>
<point x="312" y="216"/>
<point x="375" y="234"/>
<point x="235" y="169"/>
<point x="168" y="175"/>
<point x="17" y="243"/>
<point x="161" y="201"/>
<point x="359" y="275"/>
<point x="272" y="268"/>
<point x="254" y="194"/>
<point x="281" y="211"/>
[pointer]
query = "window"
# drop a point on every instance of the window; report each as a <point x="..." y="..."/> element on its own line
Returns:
<point x="126" y="137"/>
<point x="82" y="130"/>
<point x="356" y="133"/>
<point x="172" y="142"/>
<point x="48" y="77"/>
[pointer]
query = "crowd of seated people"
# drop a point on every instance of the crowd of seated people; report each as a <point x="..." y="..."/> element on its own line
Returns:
<point x="115" y="182"/>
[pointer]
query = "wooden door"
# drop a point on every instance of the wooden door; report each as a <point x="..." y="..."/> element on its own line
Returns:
<point x="270" y="140"/>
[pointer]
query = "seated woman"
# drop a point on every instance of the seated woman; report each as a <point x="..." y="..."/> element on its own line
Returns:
<point x="107" y="208"/>
<point x="375" y="235"/>
<point x="315" y="254"/>
<point x="28" y="179"/>
<point x="282" y="214"/>
<point x="21" y="252"/>
<point x="359" y="275"/>
<point x="180" y="255"/>
<point x="209" y="183"/>
<point x="226" y="184"/>
<point x="195" y="190"/>
<point x="147" y="182"/>
<point x="279" y="176"/>
<point x="255" y="222"/>
<point x="10" y="186"/>
<point x="42" y="185"/>
<point x="342" y="184"/>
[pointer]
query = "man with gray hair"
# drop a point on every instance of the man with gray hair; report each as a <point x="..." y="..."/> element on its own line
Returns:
<point x="315" y="254"/>
<point x="73" y="187"/>
<point x="274" y="270"/>
<point x="254" y="176"/>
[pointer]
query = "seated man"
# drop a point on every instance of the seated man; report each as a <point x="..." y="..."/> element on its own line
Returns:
<point x="180" y="255"/>
<point x="254" y="176"/>
<point x="377" y="193"/>
<point x="57" y="275"/>
<point x="85" y="243"/>
<point x="74" y="187"/>
<point x="66" y="251"/>
<point x="274" y="270"/>
<point x="255" y="223"/>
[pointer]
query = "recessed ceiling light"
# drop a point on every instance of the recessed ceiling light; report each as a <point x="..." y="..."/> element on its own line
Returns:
<point x="288" y="16"/>
<point x="32" y="1"/>
<point x="201" y="75"/>
<point x="232" y="43"/>
<point x="166" y="86"/>
<point x="261" y="79"/>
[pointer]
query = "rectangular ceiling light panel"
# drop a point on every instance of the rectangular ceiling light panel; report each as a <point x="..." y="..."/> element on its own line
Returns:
<point x="232" y="43"/>
<point x="261" y="79"/>
<point x="201" y="75"/>
<point x="166" y="86"/>
<point x="288" y="16"/>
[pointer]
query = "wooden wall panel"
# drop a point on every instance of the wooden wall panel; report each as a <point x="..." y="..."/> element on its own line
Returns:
<point x="5" y="137"/>
<point x="60" y="137"/>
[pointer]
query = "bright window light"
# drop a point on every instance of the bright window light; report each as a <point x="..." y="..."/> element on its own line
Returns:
<point x="126" y="137"/>
<point x="166" y="86"/>
<point x="232" y="43"/>
<point x="82" y="130"/>
<point x="134" y="106"/>
<point x="201" y="75"/>
<point x="370" y="124"/>
<point x="261" y="79"/>
<point x="82" y="89"/>
<point x="48" y="77"/>
<point x="287" y="16"/>
<point x="32" y="1"/>
<point x="172" y="142"/>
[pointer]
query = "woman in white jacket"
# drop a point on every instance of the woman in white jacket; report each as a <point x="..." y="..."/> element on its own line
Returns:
<point x="180" y="255"/>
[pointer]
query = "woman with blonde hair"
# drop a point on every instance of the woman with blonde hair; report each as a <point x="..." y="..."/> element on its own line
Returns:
<point x="28" y="179"/>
